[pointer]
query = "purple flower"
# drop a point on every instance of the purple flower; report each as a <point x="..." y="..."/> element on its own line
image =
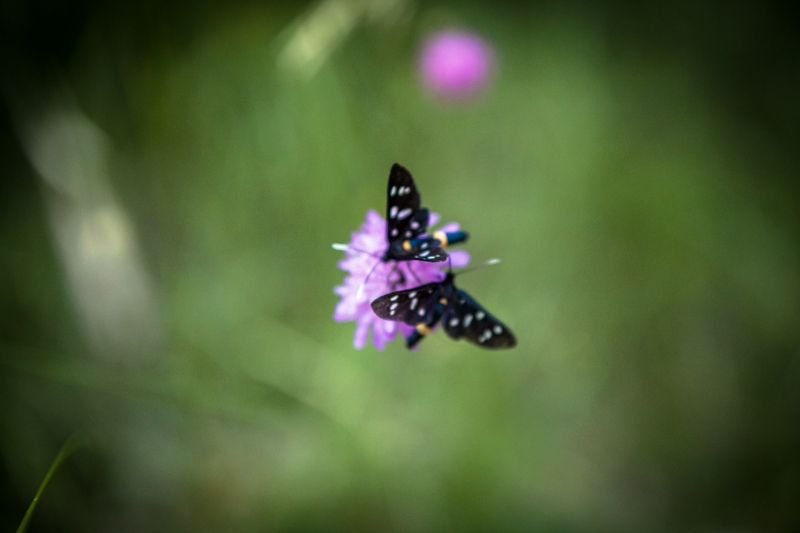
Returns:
<point x="363" y="259"/>
<point x="455" y="64"/>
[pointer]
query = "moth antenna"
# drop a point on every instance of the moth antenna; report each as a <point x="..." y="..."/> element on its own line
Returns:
<point x="481" y="265"/>
<point x="347" y="247"/>
<point x="413" y="273"/>
<point x="360" y="291"/>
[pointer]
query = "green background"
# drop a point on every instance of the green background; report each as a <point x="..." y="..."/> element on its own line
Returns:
<point x="633" y="164"/>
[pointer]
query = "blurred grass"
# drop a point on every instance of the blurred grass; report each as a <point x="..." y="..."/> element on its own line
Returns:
<point x="633" y="167"/>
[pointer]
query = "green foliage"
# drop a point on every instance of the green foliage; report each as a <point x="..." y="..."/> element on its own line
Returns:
<point x="637" y="177"/>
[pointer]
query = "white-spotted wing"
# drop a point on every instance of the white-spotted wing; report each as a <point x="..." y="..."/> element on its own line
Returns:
<point x="407" y="222"/>
<point x="412" y="306"/>
<point x="466" y="318"/>
<point x="461" y="316"/>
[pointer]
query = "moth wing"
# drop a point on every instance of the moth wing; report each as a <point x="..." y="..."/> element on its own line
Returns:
<point x="423" y="249"/>
<point x="411" y="306"/>
<point x="419" y="221"/>
<point x="404" y="217"/>
<point x="468" y="319"/>
<point x="436" y="255"/>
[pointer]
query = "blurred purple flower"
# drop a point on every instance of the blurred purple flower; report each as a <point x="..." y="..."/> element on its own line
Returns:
<point x="363" y="254"/>
<point x="455" y="64"/>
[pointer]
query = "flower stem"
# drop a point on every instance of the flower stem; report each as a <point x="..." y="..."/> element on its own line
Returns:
<point x="77" y="440"/>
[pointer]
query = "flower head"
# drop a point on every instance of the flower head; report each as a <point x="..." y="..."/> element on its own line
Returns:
<point x="368" y="278"/>
<point x="455" y="64"/>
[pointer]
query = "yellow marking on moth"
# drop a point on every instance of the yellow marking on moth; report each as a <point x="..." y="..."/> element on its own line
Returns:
<point x="443" y="301"/>
<point x="441" y="237"/>
<point x="423" y="329"/>
<point x="406" y="245"/>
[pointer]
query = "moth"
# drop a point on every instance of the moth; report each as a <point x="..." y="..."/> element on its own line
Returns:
<point x="407" y="222"/>
<point x="460" y="315"/>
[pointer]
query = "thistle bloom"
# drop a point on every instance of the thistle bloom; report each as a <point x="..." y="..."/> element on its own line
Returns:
<point x="363" y="255"/>
<point x="455" y="64"/>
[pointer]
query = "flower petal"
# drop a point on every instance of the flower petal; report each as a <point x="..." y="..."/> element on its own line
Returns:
<point x="369" y="278"/>
<point x="405" y="329"/>
<point x="459" y="258"/>
<point x="379" y="337"/>
<point x="343" y="313"/>
<point x="362" y="330"/>
<point x="450" y="227"/>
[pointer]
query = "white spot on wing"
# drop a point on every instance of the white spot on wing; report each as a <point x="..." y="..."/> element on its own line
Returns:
<point x="412" y="294"/>
<point x="393" y="211"/>
<point x="393" y="191"/>
<point x="421" y="311"/>
<point x="467" y="320"/>
<point x="414" y="224"/>
<point x="394" y="298"/>
<point x="498" y="329"/>
<point x="454" y="322"/>
<point x="424" y="253"/>
<point x="479" y="315"/>
<point x="403" y="214"/>
<point x="424" y="245"/>
<point x="413" y="303"/>
<point x="394" y="232"/>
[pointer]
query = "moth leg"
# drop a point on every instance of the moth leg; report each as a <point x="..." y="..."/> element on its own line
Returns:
<point x="413" y="339"/>
<point x="400" y="279"/>
<point x="417" y="335"/>
<point x="414" y="274"/>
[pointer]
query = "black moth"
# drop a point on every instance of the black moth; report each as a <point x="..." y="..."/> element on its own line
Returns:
<point x="406" y="223"/>
<point x="460" y="315"/>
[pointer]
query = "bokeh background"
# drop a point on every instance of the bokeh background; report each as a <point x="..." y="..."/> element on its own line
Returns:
<point x="173" y="174"/>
